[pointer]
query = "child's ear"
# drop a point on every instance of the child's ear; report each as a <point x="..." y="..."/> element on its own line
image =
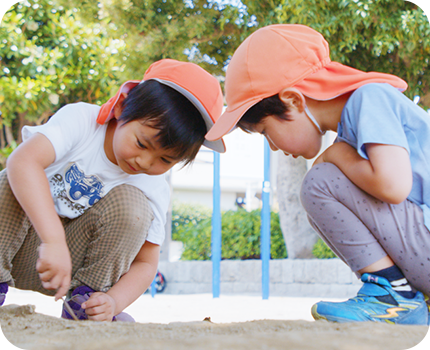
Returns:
<point x="293" y="98"/>
<point x="117" y="110"/>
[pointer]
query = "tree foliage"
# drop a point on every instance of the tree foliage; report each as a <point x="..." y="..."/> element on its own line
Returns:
<point x="50" y="58"/>
<point x="202" y="31"/>
<point x="390" y="36"/>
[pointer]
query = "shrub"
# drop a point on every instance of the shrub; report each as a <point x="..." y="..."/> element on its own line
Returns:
<point x="240" y="232"/>
<point x="183" y="214"/>
<point x="322" y="251"/>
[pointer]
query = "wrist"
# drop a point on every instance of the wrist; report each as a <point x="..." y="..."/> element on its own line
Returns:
<point x="61" y="242"/>
<point x="115" y="307"/>
<point x="57" y="237"/>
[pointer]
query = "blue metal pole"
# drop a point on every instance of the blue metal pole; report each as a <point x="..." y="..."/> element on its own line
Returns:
<point x="216" y="228"/>
<point x="265" y="223"/>
<point x="153" y="287"/>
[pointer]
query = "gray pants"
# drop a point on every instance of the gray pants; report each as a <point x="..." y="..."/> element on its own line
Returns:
<point x="361" y="229"/>
<point x="103" y="241"/>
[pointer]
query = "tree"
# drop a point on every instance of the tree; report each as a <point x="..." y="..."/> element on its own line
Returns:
<point x="50" y="58"/>
<point x="299" y="236"/>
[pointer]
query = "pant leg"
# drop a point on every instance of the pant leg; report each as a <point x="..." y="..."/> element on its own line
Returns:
<point x="118" y="228"/>
<point x="103" y="242"/>
<point x="362" y="229"/>
<point x="13" y="228"/>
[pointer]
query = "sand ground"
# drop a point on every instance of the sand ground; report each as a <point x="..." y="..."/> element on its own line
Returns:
<point x="30" y="321"/>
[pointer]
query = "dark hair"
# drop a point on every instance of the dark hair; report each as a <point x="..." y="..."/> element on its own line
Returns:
<point x="269" y="106"/>
<point x="180" y="124"/>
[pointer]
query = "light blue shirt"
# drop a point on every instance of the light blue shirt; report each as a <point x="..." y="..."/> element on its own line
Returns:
<point x="379" y="113"/>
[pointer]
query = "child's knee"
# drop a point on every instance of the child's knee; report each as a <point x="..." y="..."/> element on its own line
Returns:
<point x="128" y="209"/>
<point x="316" y="182"/>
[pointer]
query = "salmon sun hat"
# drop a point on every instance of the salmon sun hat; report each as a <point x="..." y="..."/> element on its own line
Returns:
<point x="198" y="86"/>
<point x="281" y="56"/>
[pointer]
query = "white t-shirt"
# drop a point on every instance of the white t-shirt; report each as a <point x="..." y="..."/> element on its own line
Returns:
<point x="82" y="174"/>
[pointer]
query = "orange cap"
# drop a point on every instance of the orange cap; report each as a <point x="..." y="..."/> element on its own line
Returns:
<point x="198" y="86"/>
<point x="286" y="55"/>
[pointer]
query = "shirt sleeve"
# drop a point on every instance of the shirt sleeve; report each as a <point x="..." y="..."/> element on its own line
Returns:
<point x="66" y="128"/>
<point x="373" y="115"/>
<point x="157" y="190"/>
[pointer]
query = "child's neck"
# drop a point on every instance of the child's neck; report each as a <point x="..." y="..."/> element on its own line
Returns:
<point x="328" y="113"/>
<point x="108" y="147"/>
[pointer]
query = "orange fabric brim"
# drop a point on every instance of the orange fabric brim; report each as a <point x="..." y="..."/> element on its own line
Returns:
<point x="336" y="79"/>
<point x="106" y="110"/>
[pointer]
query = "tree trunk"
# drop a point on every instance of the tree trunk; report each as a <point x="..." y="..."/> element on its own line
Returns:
<point x="9" y="135"/>
<point x="2" y="140"/>
<point x="22" y="122"/>
<point x="298" y="234"/>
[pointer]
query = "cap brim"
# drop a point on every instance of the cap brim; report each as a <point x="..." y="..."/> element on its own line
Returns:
<point x="226" y="123"/>
<point x="216" y="145"/>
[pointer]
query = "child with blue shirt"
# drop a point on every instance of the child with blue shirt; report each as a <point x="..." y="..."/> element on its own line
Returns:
<point x="367" y="195"/>
<point x="83" y="200"/>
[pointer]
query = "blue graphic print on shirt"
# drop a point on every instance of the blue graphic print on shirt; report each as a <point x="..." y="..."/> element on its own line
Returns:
<point x="82" y="185"/>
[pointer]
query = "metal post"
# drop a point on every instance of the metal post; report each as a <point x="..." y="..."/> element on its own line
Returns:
<point x="153" y="287"/>
<point x="216" y="228"/>
<point x="265" y="223"/>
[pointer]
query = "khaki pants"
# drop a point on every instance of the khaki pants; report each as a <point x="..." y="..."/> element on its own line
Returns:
<point x="103" y="241"/>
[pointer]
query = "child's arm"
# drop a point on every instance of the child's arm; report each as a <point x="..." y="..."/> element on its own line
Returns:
<point x="387" y="175"/>
<point x="104" y="306"/>
<point x="28" y="181"/>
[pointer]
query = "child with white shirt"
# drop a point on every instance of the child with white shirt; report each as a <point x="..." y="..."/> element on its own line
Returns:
<point x="83" y="199"/>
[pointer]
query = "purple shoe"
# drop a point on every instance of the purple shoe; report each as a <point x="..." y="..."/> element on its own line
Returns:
<point x="3" y="290"/>
<point x="79" y="296"/>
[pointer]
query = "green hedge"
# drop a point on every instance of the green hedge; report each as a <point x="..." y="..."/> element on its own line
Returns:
<point x="240" y="230"/>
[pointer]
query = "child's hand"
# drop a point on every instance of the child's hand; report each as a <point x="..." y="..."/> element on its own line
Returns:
<point x="55" y="267"/>
<point x="100" y="307"/>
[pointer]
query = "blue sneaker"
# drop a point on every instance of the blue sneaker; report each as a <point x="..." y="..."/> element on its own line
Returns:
<point x="376" y="301"/>
<point x="79" y="296"/>
<point x="3" y="290"/>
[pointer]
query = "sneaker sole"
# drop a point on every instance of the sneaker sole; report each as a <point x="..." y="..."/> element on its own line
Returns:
<point x="316" y="315"/>
<point x="335" y="319"/>
<point x="338" y="319"/>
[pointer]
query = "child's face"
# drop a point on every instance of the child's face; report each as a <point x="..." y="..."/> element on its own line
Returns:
<point x="295" y="137"/>
<point x="135" y="149"/>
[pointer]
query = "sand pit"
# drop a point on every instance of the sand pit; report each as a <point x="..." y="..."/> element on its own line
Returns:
<point x="27" y="329"/>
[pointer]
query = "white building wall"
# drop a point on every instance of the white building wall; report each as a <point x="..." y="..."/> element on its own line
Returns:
<point x="204" y="197"/>
<point x="241" y="172"/>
